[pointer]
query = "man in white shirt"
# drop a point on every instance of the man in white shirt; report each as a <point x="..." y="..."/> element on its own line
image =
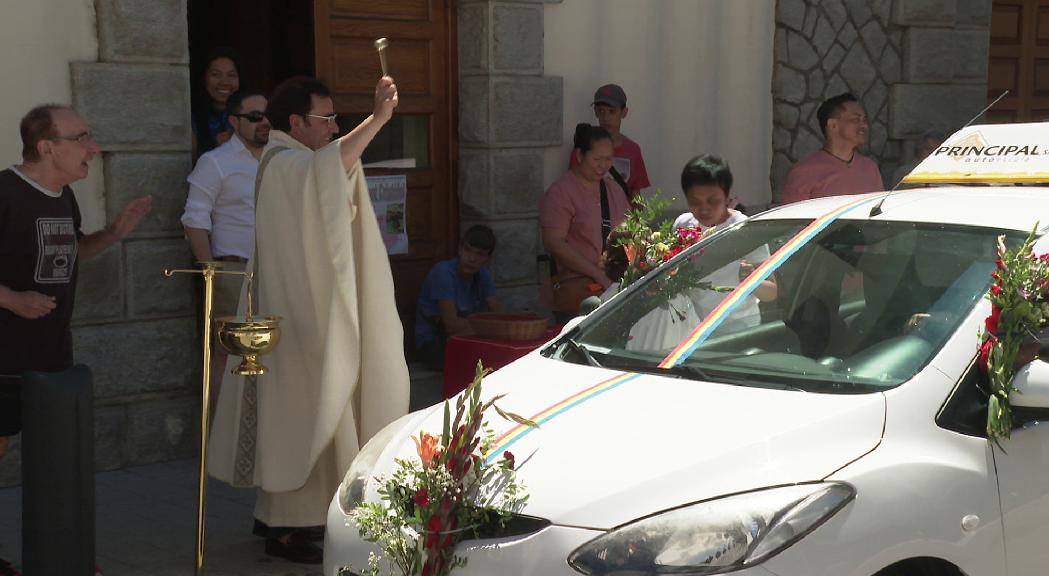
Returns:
<point x="220" y="210"/>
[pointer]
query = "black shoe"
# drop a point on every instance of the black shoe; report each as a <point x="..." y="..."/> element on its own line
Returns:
<point x="312" y="533"/>
<point x="297" y="549"/>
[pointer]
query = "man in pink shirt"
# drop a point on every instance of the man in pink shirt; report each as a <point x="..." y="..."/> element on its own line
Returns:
<point x="610" y="109"/>
<point x="837" y="169"/>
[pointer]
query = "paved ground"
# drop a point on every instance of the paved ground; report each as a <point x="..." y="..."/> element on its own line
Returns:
<point x="146" y="519"/>
<point x="146" y="525"/>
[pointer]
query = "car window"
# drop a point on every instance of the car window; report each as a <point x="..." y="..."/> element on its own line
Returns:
<point x="860" y="307"/>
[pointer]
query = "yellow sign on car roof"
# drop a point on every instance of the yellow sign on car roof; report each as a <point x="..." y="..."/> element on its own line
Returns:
<point x="988" y="154"/>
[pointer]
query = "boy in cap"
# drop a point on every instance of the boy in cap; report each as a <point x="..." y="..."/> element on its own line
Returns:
<point x="610" y="109"/>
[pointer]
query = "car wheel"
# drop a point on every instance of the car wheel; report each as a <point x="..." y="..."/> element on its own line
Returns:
<point x="921" y="567"/>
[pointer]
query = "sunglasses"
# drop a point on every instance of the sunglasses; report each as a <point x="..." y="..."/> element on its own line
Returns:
<point x="253" y="116"/>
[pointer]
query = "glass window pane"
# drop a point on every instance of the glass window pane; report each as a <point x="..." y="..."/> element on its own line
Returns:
<point x="404" y="142"/>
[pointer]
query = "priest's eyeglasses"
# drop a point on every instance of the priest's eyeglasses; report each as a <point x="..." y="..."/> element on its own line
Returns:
<point x="330" y="118"/>
<point x="84" y="138"/>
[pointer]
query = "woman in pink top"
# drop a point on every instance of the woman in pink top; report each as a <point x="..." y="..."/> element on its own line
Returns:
<point x="570" y="212"/>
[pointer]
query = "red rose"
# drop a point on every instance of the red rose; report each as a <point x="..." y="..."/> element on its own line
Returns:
<point x="509" y="457"/>
<point x="991" y="322"/>
<point x="422" y="498"/>
<point x="996" y="290"/>
<point x="1000" y="264"/>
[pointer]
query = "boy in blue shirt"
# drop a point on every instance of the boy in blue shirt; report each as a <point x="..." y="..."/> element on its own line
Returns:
<point x="453" y="290"/>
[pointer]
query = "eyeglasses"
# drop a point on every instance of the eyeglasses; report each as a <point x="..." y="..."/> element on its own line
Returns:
<point x="253" y="116"/>
<point x="330" y="118"/>
<point x="83" y="138"/>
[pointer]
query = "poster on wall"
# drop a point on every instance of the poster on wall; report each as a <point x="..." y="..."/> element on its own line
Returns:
<point x="389" y="195"/>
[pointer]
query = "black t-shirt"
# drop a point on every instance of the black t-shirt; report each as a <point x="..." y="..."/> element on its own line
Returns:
<point x="38" y="251"/>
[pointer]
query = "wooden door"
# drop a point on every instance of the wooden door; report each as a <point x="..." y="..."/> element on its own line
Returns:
<point x="1019" y="61"/>
<point x="421" y="59"/>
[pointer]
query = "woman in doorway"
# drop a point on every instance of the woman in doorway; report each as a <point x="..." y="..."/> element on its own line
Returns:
<point x="576" y="214"/>
<point x="220" y="77"/>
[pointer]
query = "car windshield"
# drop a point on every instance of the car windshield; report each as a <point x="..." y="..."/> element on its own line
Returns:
<point x="860" y="307"/>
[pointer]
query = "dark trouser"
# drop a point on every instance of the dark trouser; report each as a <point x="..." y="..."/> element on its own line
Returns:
<point x="431" y="352"/>
<point x="58" y="473"/>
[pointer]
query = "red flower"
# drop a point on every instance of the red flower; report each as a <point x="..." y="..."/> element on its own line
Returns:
<point x="422" y="498"/>
<point x="509" y="457"/>
<point x="996" y="290"/>
<point x="985" y="354"/>
<point x="991" y="322"/>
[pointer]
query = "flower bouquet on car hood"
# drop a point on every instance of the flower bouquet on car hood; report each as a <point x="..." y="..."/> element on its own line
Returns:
<point x="453" y="490"/>
<point x="1019" y="310"/>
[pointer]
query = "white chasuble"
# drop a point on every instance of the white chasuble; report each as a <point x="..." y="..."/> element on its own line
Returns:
<point x="338" y="374"/>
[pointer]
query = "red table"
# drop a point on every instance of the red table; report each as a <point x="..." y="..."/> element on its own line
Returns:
<point x="463" y="352"/>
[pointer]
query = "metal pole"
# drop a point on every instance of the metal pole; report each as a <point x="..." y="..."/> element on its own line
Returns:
<point x="202" y="485"/>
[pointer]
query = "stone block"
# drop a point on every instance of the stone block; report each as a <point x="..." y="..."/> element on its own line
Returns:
<point x="142" y="31"/>
<point x="149" y="292"/>
<point x="786" y="115"/>
<point x="517" y="244"/>
<point x="473" y="110"/>
<point x="779" y="47"/>
<point x="836" y="13"/>
<point x="876" y="139"/>
<point x="874" y="38"/>
<point x="517" y="181"/>
<point x="791" y="13"/>
<point x="110" y="437"/>
<point x="164" y="429"/>
<point x="473" y="38"/>
<point x="875" y="99"/>
<point x="836" y="85"/>
<point x="810" y="23"/>
<point x="891" y="66"/>
<point x="523" y="299"/>
<point x="517" y="42"/>
<point x="781" y="165"/>
<point x="802" y="55"/>
<point x="976" y="45"/>
<point x="475" y="183"/>
<point x="847" y="35"/>
<point x="816" y="83"/>
<point x="833" y="58"/>
<point x="860" y="12"/>
<point x="134" y="106"/>
<point x="788" y="84"/>
<point x="527" y="111"/>
<point x="930" y="55"/>
<point x="857" y="70"/>
<point x="925" y="12"/>
<point x="100" y="287"/>
<point x="974" y="13"/>
<point x="136" y="357"/>
<point x="882" y="10"/>
<point x="805" y="142"/>
<point x="823" y="36"/>
<point x="914" y="108"/>
<point x="781" y="139"/>
<point x="163" y="175"/>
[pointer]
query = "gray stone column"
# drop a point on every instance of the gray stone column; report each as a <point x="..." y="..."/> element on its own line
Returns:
<point x="508" y="112"/>
<point x="133" y="326"/>
<point x="915" y="64"/>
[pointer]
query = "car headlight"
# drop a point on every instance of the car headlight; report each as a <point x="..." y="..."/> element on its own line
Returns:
<point x="351" y="491"/>
<point x="715" y="536"/>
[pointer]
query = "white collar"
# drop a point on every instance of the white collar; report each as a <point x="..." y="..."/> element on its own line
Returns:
<point x="36" y="184"/>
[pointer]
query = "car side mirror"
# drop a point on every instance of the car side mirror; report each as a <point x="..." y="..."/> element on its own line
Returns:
<point x="1031" y="386"/>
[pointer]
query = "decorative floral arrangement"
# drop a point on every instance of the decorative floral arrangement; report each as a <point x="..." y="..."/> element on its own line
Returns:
<point x="648" y="245"/>
<point x="430" y="504"/>
<point x="1019" y="309"/>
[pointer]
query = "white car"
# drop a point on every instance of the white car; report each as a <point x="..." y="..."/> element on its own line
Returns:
<point x="836" y="430"/>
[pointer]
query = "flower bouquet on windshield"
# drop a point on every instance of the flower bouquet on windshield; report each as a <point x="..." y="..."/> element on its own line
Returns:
<point x="455" y="489"/>
<point x="1019" y="310"/>
<point x="649" y="244"/>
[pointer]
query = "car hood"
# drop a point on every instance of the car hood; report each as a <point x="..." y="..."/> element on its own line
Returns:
<point x="617" y="452"/>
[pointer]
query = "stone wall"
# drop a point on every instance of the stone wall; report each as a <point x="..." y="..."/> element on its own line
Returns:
<point x="508" y="113"/>
<point x="915" y="64"/>
<point x="132" y="326"/>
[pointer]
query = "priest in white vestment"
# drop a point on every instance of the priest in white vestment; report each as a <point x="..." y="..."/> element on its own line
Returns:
<point x="338" y="374"/>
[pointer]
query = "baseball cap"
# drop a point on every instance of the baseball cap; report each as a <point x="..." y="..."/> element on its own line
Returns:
<point x="610" y="94"/>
